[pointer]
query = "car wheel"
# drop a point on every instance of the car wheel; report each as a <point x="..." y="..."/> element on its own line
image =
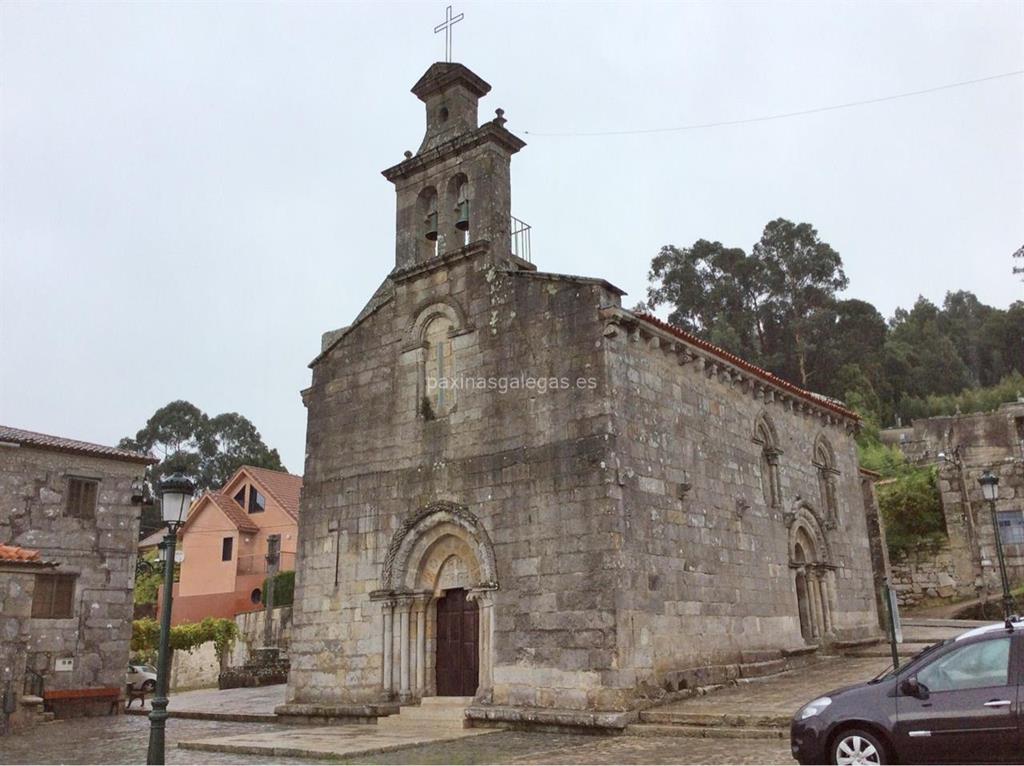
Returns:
<point x="148" y="685"/>
<point x="856" y="746"/>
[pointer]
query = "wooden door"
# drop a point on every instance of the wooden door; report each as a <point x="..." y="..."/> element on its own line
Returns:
<point x="457" y="667"/>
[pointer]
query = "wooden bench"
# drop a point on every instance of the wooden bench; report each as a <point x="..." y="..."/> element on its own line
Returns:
<point x="100" y="694"/>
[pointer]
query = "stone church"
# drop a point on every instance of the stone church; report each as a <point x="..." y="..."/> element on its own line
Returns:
<point x="518" y="491"/>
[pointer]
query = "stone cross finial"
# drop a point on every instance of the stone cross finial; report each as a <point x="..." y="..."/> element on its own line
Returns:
<point x="446" y="26"/>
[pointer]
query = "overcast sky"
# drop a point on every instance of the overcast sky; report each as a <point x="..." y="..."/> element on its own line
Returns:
<point x="190" y="193"/>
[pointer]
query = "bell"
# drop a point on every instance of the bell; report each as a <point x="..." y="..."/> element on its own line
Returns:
<point x="431" y="221"/>
<point x="462" y="222"/>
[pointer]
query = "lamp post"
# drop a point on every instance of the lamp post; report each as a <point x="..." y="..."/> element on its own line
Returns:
<point x="990" y="491"/>
<point x="175" y="496"/>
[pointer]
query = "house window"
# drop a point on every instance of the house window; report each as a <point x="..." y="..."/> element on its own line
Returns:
<point x="1011" y="527"/>
<point x="53" y="597"/>
<point x="226" y="548"/>
<point x="257" y="503"/>
<point x="81" y="498"/>
<point x="240" y="497"/>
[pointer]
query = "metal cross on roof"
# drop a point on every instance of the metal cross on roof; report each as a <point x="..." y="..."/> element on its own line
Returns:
<point x="449" y="22"/>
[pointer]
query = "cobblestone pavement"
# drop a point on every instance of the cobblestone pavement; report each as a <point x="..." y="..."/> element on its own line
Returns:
<point x="520" y="747"/>
<point x="260" y="700"/>
<point x="123" y="739"/>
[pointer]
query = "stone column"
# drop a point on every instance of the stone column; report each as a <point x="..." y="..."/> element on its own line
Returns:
<point x="814" y="587"/>
<point x="485" y="604"/>
<point x="404" y="606"/>
<point x="826" y="599"/>
<point x="421" y="645"/>
<point x="387" y="678"/>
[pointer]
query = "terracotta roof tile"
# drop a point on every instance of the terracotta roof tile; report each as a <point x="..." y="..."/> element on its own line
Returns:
<point x="818" y="399"/>
<point x="231" y="509"/>
<point x="13" y="554"/>
<point x="285" y="488"/>
<point x="60" y="444"/>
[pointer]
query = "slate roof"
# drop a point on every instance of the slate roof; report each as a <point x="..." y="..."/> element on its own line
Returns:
<point x="73" y="446"/>
<point x="13" y="554"/>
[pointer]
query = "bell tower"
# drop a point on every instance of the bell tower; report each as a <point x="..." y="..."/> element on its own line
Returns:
<point x="456" y="190"/>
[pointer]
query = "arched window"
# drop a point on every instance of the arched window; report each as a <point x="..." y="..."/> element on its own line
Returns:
<point x="439" y="367"/>
<point x="825" y="462"/>
<point x="771" y="484"/>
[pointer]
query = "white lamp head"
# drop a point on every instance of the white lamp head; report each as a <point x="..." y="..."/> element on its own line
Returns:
<point x="175" y="497"/>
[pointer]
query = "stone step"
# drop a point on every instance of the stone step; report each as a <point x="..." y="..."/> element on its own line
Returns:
<point x="462" y="702"/>
<point x="708" y="720"/>
<point x="706" y="732"/>
<point x="431" y="713"/>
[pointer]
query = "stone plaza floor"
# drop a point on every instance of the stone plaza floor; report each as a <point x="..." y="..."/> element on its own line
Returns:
<point x="763" y="702"/>
<point x="123" y="740"/>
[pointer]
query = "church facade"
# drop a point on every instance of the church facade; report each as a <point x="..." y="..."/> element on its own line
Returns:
<point x="518" y="491"/>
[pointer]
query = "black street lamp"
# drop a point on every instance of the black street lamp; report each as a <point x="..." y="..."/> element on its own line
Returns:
<point x="990" y="491"/>
<point x="175" y="496"/>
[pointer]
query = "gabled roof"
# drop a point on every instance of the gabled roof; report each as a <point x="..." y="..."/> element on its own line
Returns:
<point x="59" y="444"/>
<point x="817" y="399"/>
<point x="153" y="539"/>
<point x="236" y="515"/>
<point x="13" y="554"/>
<point x="284" y="487"/>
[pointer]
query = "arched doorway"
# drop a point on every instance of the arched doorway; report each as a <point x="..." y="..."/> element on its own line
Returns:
<point x="813" y="575"/>
<point x="437" y="606"/>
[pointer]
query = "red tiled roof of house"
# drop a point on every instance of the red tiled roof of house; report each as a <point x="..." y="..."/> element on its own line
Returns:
<point x="60" y="444"/>
<point x="231" y="509"/>
<point x="818" y="399"/>
<point x="285" y="488"/>
<point x="13" y="554"/>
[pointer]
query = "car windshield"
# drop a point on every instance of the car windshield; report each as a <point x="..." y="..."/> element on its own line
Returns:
<point x="889" y="672"/>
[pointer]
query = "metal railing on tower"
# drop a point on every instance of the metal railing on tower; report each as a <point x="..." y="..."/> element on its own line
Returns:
<point x="521" y="240"/>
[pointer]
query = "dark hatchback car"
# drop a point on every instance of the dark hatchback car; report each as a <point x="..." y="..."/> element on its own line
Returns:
<point x="955" y="702"/>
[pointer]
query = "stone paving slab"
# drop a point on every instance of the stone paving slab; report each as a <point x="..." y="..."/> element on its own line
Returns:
<point x="243" y="705"/>
<point x="531" y="747"/>
<point x="332" y="742"/>
<point x="767" y="701"/>
<point x="120" y="739"/>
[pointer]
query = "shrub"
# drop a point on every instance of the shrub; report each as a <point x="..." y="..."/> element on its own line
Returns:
<point x="912" y="511"/>
<point x="187" y="636"/>
<point x="284" y="589"/>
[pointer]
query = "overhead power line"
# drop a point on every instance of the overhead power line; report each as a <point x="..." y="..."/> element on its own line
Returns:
<point x="783" y="115"/>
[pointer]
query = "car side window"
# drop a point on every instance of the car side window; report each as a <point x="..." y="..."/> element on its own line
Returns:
<point x="975" y="666"/>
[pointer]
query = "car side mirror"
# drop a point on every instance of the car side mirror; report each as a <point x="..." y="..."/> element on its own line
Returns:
<point x="913" y="688"/>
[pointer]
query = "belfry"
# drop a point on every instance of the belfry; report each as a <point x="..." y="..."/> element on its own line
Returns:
<point x="520" y="493"/>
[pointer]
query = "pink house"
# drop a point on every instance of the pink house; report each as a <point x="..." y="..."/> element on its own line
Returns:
<point x="224" y="542"/>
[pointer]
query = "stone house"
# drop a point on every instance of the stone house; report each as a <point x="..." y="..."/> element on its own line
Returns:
<point x="224" y="543"/>
<point x="519" y="492"/>
<point x="74" y="504"/>
<point x="20" y="703"/>
<point x="963" y="447"/>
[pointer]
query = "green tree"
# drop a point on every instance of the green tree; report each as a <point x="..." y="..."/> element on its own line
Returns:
<point x="209" y="450"/>
<point x="714" y="291"/>
<point x="802" y="275"/>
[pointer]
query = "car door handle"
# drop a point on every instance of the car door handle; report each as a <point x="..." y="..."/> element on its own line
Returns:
<point x="998" y="703"/>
